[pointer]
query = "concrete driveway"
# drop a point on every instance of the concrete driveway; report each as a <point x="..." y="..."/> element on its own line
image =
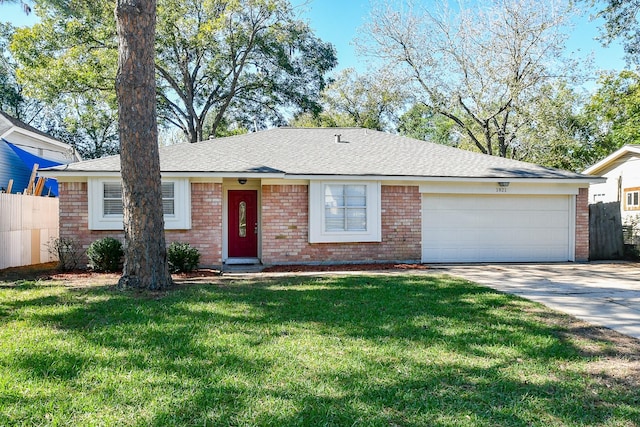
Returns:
<point x="605" y="294"/>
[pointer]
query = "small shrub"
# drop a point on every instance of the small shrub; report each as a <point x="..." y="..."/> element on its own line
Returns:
<point x="105" y="254"/>
<point x="66" y="250"/>
<point x="182" y="257"/>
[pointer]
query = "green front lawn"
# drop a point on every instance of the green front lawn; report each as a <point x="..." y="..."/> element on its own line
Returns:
<point x="340" y="351"/>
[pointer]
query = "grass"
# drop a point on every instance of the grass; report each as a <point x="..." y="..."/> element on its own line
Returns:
<point x="333" y="351"/>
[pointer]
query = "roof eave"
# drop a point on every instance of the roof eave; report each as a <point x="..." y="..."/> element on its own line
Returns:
<point x="47" y="139"/>
<point x="53" y="173"/>
<point x="417" y="178"/>
<point x="601" y="166"/>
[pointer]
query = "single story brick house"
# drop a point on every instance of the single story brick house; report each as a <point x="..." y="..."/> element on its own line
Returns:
<point x="342" y="195"/>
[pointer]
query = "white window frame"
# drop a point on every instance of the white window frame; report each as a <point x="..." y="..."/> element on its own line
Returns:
<point x="180" y="220"/>
<point x="634" y="195"/>
<point x="317" y="230"/>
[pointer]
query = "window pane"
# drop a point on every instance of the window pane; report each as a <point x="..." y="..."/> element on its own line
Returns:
<point x="635" y="198"/>
<point x="356" y="219"/>
<point x="355" y="190"/>
<point x="629" y="199"/>
<point x="168" y="198"/>
<point x="112" y="198"/>
<point x="356" y="195"/>
<point x="112" y="207"/>
<point x="167" y="190"/>
<point x="345" y="207"/>
<point x="334" y="219"/>
<point x="333" y="195"/>
<point x="112" y="190"/>
<point x="332" y="202"/>
<point x="334" y="190"/>
<point x="356" y="201"/>
<point x="168" y="207"/>
<point x="242" y="219"/>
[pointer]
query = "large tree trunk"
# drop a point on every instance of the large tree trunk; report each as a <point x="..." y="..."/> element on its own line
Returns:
<point x="145" y="264"/>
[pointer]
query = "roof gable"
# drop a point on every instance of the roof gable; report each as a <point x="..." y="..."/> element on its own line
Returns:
<point x="22" y="125"/>
<point x="614" y="159"/>
<point x="13" y="125"/>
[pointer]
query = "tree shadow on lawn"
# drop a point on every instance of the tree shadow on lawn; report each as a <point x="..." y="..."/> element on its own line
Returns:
<point x="397" y="350"/>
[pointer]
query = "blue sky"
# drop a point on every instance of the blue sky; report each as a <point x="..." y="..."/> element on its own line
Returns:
<point x="338" y="22"/>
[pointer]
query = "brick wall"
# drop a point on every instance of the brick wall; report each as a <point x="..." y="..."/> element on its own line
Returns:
<point x="582" y="225"/>
<point x="285" y="225"/>
<point x="285" y="228"/>
<point x="206" y="224"/>
<point x="74" y="217"/>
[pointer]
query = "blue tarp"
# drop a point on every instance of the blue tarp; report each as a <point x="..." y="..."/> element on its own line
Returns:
<point x="18" y="164"/>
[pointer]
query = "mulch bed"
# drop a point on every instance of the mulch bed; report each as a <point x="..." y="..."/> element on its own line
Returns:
<point x="342" y="267"/>
<point x="49" y="272"/>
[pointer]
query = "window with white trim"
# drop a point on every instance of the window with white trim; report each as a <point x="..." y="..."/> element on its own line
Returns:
<point x="112" y="198"/>
<point x="345" y="207"/>
<point x="106" y="211"/>
<point x="168" y="198"/>
<point x="632" y="196"/>
<point x="344" y="212"/>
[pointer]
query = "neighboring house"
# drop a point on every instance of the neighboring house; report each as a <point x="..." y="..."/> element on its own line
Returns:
<point x="21" y="146"/>
<point x="622" y="173"/>
<point x="290" y="196"/>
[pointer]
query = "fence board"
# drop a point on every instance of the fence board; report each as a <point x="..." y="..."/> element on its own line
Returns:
<point x="27" y="223"/>
<point x="605" y="231"/>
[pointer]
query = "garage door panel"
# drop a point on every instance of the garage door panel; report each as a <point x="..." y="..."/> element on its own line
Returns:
<point x="470" y="228"/>
<point x="504" y="203"/>
<point x="480" y="230"/>
<point x="488" y="219"/>
<point x="509" y="254"/>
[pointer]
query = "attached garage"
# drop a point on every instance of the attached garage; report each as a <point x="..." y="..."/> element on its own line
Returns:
<point x="497" y="228"/>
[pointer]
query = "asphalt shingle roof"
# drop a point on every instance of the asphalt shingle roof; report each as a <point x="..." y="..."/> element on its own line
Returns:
<point x="305" y="151"/>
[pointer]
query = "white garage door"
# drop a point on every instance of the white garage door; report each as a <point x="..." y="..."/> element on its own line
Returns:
<point x="476" y="228"/>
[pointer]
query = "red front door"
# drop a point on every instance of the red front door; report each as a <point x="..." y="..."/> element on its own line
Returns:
<point x="243" y="224"/>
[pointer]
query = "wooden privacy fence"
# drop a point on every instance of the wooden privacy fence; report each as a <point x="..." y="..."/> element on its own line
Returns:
<point x="605" y="231"/>
<point x="27" y="223"/>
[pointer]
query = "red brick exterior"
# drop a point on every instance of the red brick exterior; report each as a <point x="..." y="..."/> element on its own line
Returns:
<point x="285" y="228"/>
<point x="285" y="225"/>
<point x="74" y="217"/>
<point x="206" y="223"/>
<point x="582" y="225"/>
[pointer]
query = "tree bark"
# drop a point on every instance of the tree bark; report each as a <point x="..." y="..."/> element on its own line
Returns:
<point x="145" y="264"/>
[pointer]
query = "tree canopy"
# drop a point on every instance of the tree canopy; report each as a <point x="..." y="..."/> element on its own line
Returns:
<point x="370" y="100"/>
<point x="420" y="122"/>
<point x="615" y="107"/>
<point x="621" y="21"/>
<point x="11" y="98"/>
<point x="482" y="67"/>
<point x="243" y="61"/>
